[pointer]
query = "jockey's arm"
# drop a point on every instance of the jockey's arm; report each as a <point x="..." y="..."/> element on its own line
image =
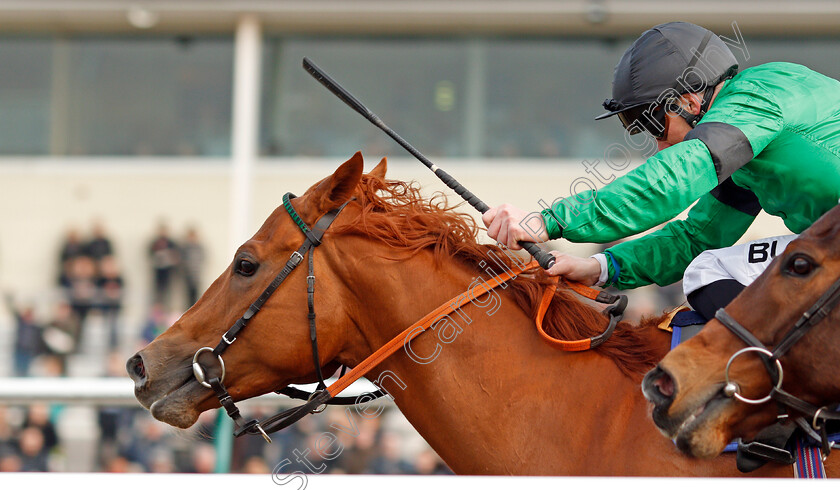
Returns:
<point x="655" y="192"/>
<point x="661" y="257"/>
<point x="665" y="185"/>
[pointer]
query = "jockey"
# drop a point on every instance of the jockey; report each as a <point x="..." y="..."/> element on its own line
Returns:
<point x="765" y="138"/>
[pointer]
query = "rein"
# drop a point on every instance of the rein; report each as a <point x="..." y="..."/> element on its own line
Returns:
<point x="770" y="358"/>
<point x="328" y="395"/>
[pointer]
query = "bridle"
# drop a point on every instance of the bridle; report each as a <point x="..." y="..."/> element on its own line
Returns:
<point x="323" y="395"/>
<point x="770" y="358"/>
<point x="316" y="400"/>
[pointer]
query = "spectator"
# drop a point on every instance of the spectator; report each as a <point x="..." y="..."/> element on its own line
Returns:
<point x="256" y="464"/>
<point x="70" y="249"/>
<point x="29" y="340"/>
<point x="147" y="441"/>
<point x="164" y="256"/>
<point x="33" y="454"/>
<point x="60" y="335"/>
<point x="38" y="417"/>
<point x="161" y="461"/>
<point x="390" y="461"/>
<point x="156" y="323"/>
<point x="80" y="290"/>
<point x="203" y="458"/>
<point x="192" y="261"/>
<point x="10" y="461"/>
<point x="99" y="245"/>
<point x="7" y="432"/>
<point x="429" y="463"/>
<point x="110" y="293"/>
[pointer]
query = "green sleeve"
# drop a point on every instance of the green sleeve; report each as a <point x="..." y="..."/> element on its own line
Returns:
<point x="662" y="256"/>
<point x="750" y="107"/>
<point x="664" y="186"/>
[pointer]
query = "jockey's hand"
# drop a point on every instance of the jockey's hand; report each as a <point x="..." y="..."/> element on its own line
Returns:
<point x="583" y="270"/>
<point x="504" y="224"/>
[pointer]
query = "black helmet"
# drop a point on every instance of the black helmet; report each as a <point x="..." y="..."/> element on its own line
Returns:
<point x="667" y="60"/>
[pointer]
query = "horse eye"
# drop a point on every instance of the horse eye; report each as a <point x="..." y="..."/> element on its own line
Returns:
<point x="800" y="266"/>
<point x="245" y="267"/>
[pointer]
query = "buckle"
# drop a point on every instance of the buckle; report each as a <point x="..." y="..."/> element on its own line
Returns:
<point x="319" y="408"/>
<point x="250" y="427"/>
<point x="296" y="258"/>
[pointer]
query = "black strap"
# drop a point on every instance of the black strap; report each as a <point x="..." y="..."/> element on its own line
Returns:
<point x="738" y="329"/>
<point x="313" y="238"/>
<point x="299" y="394"/>
<point x="821" y="309"/>
<point x="749" y="339"/>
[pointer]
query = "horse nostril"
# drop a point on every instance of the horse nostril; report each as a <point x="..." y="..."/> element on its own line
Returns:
<point x="665" y="385"/>
<point x="659" y="387"/>
<point x="136" y="369"/>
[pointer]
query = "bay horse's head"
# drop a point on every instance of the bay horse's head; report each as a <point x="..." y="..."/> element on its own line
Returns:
<point x="687" y="387"/>
<point x="275" y="349"/>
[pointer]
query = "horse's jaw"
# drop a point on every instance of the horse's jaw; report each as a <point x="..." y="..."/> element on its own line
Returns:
<point x="179" y="408"/>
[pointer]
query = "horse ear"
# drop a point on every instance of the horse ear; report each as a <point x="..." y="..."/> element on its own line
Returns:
<point x="336" y="189"/>
<point x="379" y="170"/>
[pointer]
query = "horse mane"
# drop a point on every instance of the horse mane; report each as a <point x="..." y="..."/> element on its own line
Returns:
<point x="395" y="213"/>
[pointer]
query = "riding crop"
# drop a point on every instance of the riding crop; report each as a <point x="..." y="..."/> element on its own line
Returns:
<point x="545" y="259"/>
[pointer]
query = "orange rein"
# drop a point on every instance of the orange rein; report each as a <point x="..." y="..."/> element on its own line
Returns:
<point x="449" y="306"/>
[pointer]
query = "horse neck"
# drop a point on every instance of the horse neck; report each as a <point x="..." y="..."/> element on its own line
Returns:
<point x="495" y="398"/>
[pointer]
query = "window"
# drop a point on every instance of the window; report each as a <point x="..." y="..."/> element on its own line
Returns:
<point x="416" y="86"/>
<point x="116" y="96"/>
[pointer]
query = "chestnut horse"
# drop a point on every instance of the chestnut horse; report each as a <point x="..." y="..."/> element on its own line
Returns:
<point x="490" y="396"/>
<point x="688" y="383"/>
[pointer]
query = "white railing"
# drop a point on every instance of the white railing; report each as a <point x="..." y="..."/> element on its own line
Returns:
<point x="120" y="392"/>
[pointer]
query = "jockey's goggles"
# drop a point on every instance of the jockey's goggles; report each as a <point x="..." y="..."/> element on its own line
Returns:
<point x="648" y="118"/>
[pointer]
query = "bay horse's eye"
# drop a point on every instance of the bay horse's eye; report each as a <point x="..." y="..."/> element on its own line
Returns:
<point x="800" y="266"/>
<point x="245" y="267"/>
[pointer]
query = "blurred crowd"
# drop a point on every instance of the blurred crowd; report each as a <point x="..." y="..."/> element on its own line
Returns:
<point x="90" y="287"/>
<point x="130" y="440"/>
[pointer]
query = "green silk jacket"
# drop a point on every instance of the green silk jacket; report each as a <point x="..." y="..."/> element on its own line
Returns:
<point x="771" y="141"/>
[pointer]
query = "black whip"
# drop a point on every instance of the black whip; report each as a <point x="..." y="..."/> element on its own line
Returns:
<point x="545" y="259"/>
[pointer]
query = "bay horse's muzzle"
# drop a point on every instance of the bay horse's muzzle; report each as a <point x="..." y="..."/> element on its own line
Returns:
<point x="659" y="388"/>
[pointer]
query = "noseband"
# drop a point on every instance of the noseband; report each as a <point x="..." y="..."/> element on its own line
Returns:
<point x="316" y="400"/>
<point x="815" y="314"/>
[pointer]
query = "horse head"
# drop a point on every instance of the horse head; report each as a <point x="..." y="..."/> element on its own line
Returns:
<point x="275" y="349"/>
<point x="687" y="387"/>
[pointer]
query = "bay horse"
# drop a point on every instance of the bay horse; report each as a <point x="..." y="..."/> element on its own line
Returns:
<point x="487" y="393"/>
<point x="687" y="387"/>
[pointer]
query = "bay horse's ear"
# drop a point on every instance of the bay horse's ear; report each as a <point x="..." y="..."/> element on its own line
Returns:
<point x="379" y="170"/>
<point x="336" y="189"/>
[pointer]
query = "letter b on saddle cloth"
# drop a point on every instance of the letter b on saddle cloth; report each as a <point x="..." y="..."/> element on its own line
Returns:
<point x="781" y="443"/>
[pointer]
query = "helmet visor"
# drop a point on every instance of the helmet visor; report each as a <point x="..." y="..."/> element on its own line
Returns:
<point x="649" y="118"/>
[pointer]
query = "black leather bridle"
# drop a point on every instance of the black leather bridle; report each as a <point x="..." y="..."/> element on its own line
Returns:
<point x="320" y="397"/>
<point x="815" y="314"/>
